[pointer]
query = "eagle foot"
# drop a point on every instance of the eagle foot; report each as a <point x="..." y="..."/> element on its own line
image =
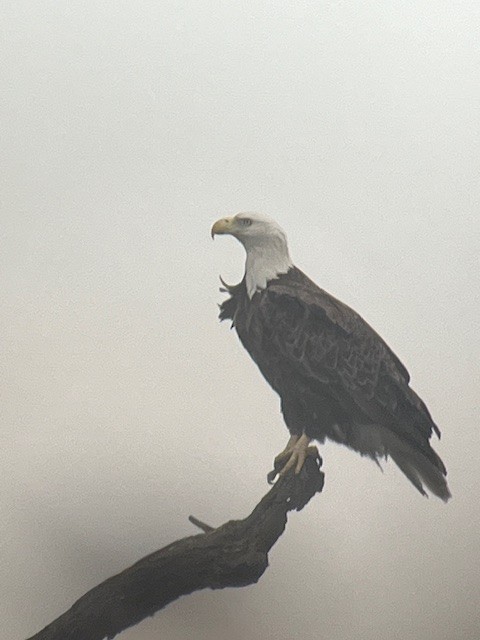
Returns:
<point x="292" y="457"/>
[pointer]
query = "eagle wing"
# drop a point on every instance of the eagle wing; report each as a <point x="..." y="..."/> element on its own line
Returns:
<point x="325" y="340"/>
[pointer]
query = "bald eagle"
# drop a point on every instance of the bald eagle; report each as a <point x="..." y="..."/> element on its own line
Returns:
<point x="335" y="376"/>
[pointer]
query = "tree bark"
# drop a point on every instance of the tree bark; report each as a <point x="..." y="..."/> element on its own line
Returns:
<point x="232" y="555"/>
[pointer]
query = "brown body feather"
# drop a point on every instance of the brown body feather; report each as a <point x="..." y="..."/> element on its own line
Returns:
<point x="335" y="375"/>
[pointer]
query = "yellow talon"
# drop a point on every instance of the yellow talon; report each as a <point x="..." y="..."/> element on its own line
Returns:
<point x="294" y="455"/>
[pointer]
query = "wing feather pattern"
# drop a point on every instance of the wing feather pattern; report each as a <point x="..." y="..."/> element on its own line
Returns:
<point x="325" y="340"/>
<point x="295" y="327"/>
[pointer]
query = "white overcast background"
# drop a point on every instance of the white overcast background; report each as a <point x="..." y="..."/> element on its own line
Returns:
<point x="127" y="128"/>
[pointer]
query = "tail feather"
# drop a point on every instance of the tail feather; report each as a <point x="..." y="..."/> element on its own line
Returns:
<point x="420" y="463"/>
<point x="419" y="470"/>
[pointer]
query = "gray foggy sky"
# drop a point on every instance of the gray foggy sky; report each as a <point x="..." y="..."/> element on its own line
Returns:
<point x="127" y="129"/>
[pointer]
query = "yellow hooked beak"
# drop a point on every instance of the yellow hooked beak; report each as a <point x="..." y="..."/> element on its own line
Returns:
<point x="222" y="226"/>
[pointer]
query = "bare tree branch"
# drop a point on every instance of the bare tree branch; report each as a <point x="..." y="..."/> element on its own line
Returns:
<point x="206" y="528"/>
<point x="232" y="555"/>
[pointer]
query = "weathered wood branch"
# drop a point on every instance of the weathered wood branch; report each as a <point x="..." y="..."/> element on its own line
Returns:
<point x="232" y="555"/>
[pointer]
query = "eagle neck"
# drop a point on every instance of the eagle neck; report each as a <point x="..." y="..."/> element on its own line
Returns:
<point x="265" y="261"/>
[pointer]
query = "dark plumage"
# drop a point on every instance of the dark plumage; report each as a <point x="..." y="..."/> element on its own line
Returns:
<point x="335" y="375"/>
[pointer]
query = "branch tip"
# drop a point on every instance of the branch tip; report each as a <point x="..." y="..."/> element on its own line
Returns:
<point x="206" y="528"/>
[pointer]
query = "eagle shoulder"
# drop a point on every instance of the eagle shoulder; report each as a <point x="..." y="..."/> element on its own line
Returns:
<point x="302" y="291"/>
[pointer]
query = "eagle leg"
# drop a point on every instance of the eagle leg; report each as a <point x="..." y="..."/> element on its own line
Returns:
<point x="292" y="457"/>
<point x="279" y="460"/>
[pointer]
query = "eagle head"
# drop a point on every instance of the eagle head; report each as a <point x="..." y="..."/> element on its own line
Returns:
<point x="265" y="243"/>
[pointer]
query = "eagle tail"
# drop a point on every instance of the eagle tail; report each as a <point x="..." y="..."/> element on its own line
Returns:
<point x="418" y="468"/>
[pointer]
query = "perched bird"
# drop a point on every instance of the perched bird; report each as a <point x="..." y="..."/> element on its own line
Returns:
<point x="335" y="376"/>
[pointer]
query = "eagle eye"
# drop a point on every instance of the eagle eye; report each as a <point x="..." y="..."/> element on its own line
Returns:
<point x="245" y="222"/>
